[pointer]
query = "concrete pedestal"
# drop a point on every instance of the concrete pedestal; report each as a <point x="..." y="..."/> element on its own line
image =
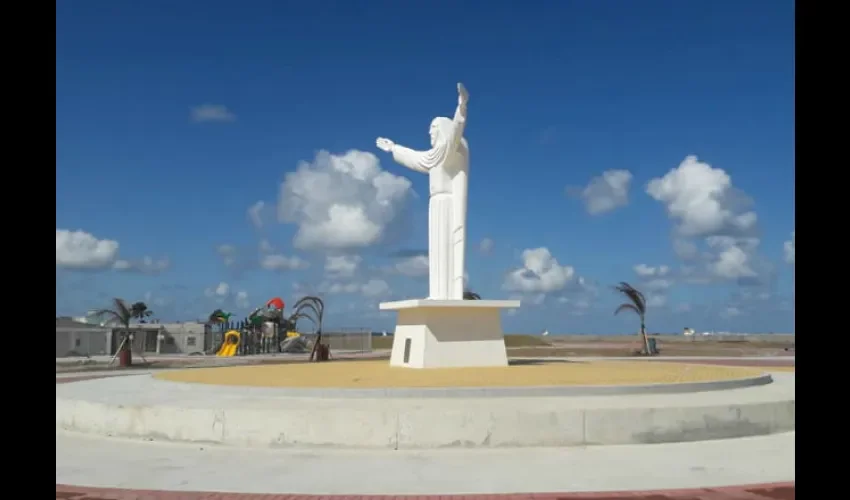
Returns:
<point x="449" y="333"/>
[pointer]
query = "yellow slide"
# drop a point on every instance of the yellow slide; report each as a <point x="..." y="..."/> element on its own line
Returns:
<point x="230" y="344"/>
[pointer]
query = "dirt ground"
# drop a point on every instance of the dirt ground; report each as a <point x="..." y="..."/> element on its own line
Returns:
<point x="618" y="346"/>
<point x="629" y="350"/>
<point x="377" y="374"/>
<point x="530" y="346"/>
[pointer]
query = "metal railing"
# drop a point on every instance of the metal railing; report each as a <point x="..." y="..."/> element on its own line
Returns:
<point x="342" y="339"/>
<point x="351" y="340"/>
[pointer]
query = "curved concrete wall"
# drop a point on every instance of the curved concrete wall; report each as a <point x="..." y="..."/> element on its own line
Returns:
<point x="260" y="420"/>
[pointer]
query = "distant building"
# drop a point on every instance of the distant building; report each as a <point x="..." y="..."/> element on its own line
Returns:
<point x="76" y="338"/>
<point x="89" y="338"/>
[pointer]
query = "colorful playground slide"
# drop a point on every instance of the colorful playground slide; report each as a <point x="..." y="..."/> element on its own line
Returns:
<point x="230" y="344"/>
<point x="227" y="350"/>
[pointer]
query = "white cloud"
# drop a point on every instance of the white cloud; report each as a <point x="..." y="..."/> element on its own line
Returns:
<point x="607" y="192"/>
<point x="222" y="290"/>
<point x="654" y="278"/>
<point x="342" y="266"/>
<point x="728" y="258"/>
<point x="227" y="253"/>
<point x="152" y="300"/>
<point x="683" y="308"/>
<point x="372" y="288"/>
<point x="702" y="200"/>
<point x="211" y="113"/>
<point x="341" y="202"/>
<point x="656" y="300"/>
<point x="242" y="299"/>
<point x="486" y="246"/>
<point x="255" y="214"/>
<point x="790" y="249"/>
<point x="733" y="260"/>
<point x="645" y="271"/>
<point x="224" y="295"/>
<point x="704" y="205"/>
<point x="81" y="250"/>
<point x="278" y="262"/>
<point x="685" y="249"/>
<point x="146" y="265"/>
<point x="731" y="312"/>
<point x="540" y="273"/>
<point x="335" y="288"/>
<point x="413" y="267"/>
<point x="574" y="306"/>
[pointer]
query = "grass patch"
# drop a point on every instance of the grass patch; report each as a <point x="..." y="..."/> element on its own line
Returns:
<point x="510" y="341"/>
<point x="382" y="342"/>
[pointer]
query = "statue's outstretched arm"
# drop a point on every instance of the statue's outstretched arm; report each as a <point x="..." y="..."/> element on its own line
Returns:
<point x="414" y="160"/>
<point x="459" y="120"/>
<point x="422" y="161"/>
<point x="409" y="158"/>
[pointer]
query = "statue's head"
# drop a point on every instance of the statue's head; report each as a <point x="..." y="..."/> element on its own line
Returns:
<point x="440" y="129"/>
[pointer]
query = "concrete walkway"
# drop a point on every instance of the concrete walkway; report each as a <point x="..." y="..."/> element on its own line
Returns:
<point x="115" y="463"/>
<point x="113" y="469"/>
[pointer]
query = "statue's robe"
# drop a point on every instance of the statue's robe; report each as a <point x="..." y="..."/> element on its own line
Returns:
<point x="447" y="166"/>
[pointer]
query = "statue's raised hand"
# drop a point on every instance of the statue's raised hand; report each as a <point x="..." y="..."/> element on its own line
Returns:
<point x="384" y="144"/>
<point x="462" y="95"/>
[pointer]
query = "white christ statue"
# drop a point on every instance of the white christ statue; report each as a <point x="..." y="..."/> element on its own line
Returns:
<point x="447" y="166"/>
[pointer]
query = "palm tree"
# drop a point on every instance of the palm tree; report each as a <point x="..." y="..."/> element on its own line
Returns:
<point x="119" y="314"/>
<point x="312" y="308"/>
<point x="470" y="295"/>
<point x="219" y="316"/>
<point x="140" y="311"/>
<point x="638" y="305"/>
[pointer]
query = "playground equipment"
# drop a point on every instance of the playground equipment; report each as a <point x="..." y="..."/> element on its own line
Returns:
<point x="275" y="303"/>
<point x="313" y="309"/>
<point x="266" y="330"/>
<point x="230" y="344"/>
<point x="270" y="320"/>
<point x="267" y="317"/>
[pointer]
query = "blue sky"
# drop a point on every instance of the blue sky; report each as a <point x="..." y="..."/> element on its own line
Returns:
<point x="200" y="153"/>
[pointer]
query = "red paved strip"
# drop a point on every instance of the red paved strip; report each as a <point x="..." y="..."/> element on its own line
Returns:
<point x="731" y="362"/>
<point x="65" y="380"/>
<point x="776" y="491"/>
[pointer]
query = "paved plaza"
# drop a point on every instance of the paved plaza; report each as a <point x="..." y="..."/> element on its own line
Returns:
<point x="759" y="467"/>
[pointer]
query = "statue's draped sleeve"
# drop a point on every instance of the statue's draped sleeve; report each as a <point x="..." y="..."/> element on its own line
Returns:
<point x="423" y="161"/>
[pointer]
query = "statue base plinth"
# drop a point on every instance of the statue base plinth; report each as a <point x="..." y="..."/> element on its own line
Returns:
<point x="448" y="333"/>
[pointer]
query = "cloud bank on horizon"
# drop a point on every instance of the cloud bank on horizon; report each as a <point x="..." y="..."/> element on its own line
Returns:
<point x="343" y="207"/>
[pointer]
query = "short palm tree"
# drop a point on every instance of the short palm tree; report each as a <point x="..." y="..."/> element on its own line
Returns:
<point x="218" y="316"/>
<point x="313" y="309"/>
<point x="140" y="311"/>
<point x="638" y="305"/>
<point x="120" y="314"/>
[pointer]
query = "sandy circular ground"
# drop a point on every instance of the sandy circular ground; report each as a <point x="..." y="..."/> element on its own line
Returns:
<point x="781" y="369"/>
<point x="378" y="374"/>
